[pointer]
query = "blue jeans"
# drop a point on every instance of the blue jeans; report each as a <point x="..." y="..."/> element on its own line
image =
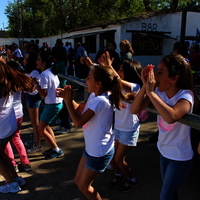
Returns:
<point x="173" y="173"/>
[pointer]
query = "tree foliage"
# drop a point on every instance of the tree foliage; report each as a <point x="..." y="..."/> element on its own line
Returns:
<point x="41" y="18"/>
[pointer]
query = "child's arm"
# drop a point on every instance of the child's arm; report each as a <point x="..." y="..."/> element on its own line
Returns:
<point x="106" y="61"/>
<point x="141" y="100"/>
<point x="75" y="109"/>
<point x="168" y="113"/>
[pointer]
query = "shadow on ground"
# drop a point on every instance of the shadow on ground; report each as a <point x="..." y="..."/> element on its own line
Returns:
<point x="53" y="179"/>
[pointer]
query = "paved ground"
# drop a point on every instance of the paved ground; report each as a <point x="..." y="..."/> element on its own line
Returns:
<point x="53" y="179"/>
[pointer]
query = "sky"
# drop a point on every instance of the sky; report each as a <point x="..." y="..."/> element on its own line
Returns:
<point x="3" y="18"/>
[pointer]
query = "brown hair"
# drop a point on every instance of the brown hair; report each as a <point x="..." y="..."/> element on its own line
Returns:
<point x="12" y="80"/>
<point x="128" y="46"/>
<point x="110" y="82"/>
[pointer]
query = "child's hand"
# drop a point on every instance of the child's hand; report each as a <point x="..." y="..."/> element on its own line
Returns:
<point x="34" y="81"/>
<point x="67" y="94"/>
<point x="130" y="96"/>
<point x="151" y="82"/>
<point x="105" y="59"/>
<point x="59" y="92"/>
<point x="145" y="73"/>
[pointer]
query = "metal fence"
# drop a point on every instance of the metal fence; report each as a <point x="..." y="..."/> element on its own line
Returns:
<point x="189" y="119"/>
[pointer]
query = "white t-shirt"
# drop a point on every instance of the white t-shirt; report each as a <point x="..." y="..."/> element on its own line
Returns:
<point x="50" y="82"/>
<point x="8" y="124"/>
<point x="34" y="74"/>
<point x="174" y="139"/>
<point x="17" y="52"/>
<point x="98" y="135"/>
<point x="124" y="120"/>
<point x="17" y="104"/>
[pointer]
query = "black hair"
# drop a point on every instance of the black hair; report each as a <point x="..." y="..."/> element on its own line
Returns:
<point x="31" y="64"/>
<point x="132" y="71"/>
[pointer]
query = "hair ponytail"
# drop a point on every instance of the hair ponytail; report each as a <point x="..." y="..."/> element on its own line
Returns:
<point x="110" y="82"/>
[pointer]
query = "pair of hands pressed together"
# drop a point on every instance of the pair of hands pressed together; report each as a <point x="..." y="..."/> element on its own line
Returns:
<point x="67" y="94"/>
<point x="148" y="78"/>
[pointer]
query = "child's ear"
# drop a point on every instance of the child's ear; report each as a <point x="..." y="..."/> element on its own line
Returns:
<point x="98" y="84"/>
<point x="174" y="79"/>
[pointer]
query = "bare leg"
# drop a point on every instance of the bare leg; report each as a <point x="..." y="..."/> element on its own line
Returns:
<point x="119" y="163"/>
<point x="34" y="116"/>
<point x="47" y="133"/>
<point x="84" y="178"/>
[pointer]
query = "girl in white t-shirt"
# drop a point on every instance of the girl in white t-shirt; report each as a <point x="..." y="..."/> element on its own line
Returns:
<point x="95" y="117"/>
<point x="47" y="87"/>
<point x="126" y="127"/>
<point x="10" y="81"/>
<point x="33" y="101"/>
<point x="172" y="98"/>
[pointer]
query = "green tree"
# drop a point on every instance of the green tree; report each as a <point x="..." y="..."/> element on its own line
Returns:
<point x="43" y="18"/>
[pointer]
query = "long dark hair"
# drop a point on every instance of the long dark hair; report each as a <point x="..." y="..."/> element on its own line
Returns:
<point x="132" y="71"/>
<point x="12" y="80"/>
<point x="31" y="64"/>
<point x="110" y="82"/>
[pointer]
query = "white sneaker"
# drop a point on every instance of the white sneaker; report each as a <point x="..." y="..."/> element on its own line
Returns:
<point x="20" y="181"/>
<point x="10" y="188"/>
<point x="16" y="168"/>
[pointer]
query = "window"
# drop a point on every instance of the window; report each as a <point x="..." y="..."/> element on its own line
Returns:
<point x="147" y="44"/>
<point x="90" y="43"/>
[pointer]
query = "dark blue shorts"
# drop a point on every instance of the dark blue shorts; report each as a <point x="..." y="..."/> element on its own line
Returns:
<point x="33" y="101"/>
<point x="98" y="164"/>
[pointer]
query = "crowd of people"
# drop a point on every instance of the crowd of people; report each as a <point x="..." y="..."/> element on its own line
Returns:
<point x="110" y="124"/>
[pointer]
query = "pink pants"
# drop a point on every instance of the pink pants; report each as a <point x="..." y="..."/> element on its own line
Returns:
<point x="16" y="139"/>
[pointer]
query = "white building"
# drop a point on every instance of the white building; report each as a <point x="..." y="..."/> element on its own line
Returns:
<point x="151" y="35"/>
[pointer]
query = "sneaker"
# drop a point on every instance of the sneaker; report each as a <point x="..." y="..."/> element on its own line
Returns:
<point x="10" y="188"/>
<point x="16" y="168"/>
<point x="20" y="181"/>
<point x="47" y="151"/>
<point x="34" y="149"/>
<point x="116" y="181"/>
<point x="58" y="121"/>
<point x="24" y="167"/>
<point x="54" y="154"/>
<point x="59" y="128"/>
<point x="129" y="185"/>
<point x="29" y="143"/>
<point x="65" y="130"/>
